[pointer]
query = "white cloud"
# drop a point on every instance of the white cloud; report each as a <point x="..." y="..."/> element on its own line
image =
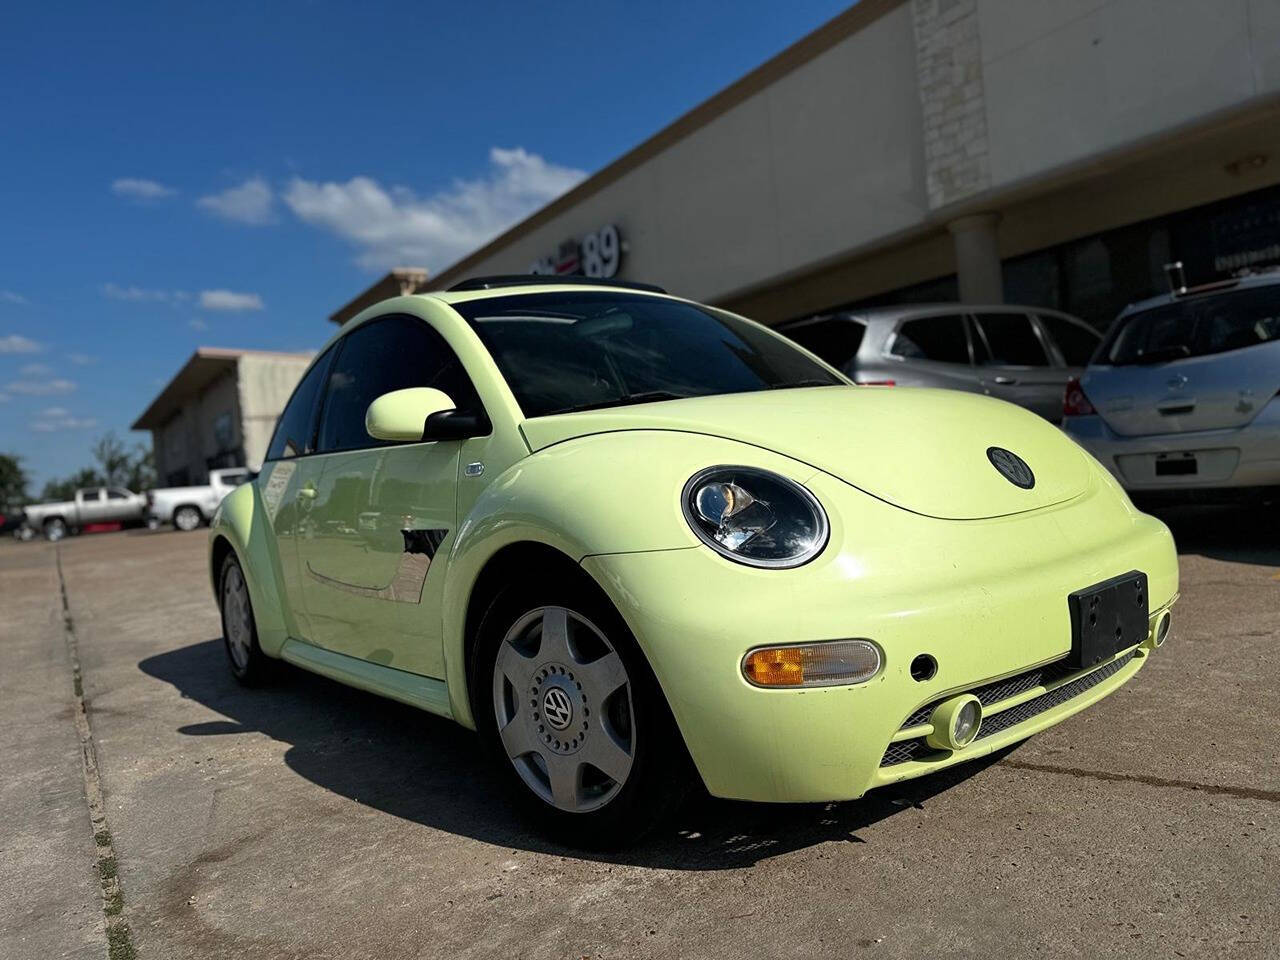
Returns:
<point x="229" y="300"/>
<point x="113" y="291"/>
<point x="195" y="323"/>
<point x="137" y="188"/>
<point x="396" y="226"/>
<point x="18" y="344"/>
<point x="82" y="359"/>
<point x="41" y="388"/>
<point x="35" y="370"/>
<point x="250" y="203"/>
<point x="60" y="418"/>
<point x="8" y="296"/>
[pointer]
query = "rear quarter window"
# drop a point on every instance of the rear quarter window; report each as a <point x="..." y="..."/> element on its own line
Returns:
<point x="941" y="339"/>
<point x="836" y="340"/>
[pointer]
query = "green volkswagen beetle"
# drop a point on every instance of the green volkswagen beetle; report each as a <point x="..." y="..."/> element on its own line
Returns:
<point x="635" y="541"/>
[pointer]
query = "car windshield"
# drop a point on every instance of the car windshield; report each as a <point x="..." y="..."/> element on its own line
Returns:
<point x="1195" y="328"/>
<point x="562" y="352"/>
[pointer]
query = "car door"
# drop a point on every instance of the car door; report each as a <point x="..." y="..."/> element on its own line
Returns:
<point x="1014" y="364"/>
<point x="287" y="471"/>
<point x="1074" y="340"/>
<point x="91" y="505"/>
<point x="382" y="512"/>
<point x="120" y="506"/>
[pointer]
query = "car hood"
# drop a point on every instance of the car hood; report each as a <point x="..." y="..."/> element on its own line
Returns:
<point x="921" y="450"/>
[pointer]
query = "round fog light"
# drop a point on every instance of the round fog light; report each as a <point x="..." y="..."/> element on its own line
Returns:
<point x="955" y="722"/>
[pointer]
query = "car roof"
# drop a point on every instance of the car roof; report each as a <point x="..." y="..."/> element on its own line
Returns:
<point x="1267" y="279"/>
<point x="905" y="311"/>
<point x="488" y="288"/>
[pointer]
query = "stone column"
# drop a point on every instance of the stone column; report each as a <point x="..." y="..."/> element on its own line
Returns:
<point x="978" y="258"/>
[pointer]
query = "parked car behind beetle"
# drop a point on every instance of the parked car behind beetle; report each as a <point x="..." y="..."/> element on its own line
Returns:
<point x="1182" y="397"/>
<point x="188" y="507"/>
<point x="91" y="505"/>
<point x="1024" y="355"/>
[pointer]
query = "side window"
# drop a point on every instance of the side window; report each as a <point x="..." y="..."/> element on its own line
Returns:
<point x="384" y="355"/>
<point x="1010" y="341"/>
<point x="1075" y="342"/>
<point x="117" y="495"/>
<point x="93" y="495"/>
<point x="293" y="431"/>
<point x="932" y="338"/>
<point x="835" y="340"/>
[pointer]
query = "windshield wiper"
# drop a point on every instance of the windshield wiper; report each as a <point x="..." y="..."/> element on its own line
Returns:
<point x="812" y="382"/>
<point x="648" y="396"/>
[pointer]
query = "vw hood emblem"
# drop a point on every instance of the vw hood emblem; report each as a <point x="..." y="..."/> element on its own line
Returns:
<point x="1012" y="467"/>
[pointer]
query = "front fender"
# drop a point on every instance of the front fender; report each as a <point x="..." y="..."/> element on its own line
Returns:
<point x="608" y="493"/>
<point x="241" y="521"/>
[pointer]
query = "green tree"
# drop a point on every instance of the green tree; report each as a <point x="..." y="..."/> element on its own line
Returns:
<point x="13" y="481"/>
<point x="57" y="491"/>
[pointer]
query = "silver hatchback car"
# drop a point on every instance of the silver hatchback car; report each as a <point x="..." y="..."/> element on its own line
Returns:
<point x="1022" y="354"/>
<point x="1185" y="393"/>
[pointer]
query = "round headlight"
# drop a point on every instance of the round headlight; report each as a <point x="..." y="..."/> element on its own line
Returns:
<point x="754" y="516"/>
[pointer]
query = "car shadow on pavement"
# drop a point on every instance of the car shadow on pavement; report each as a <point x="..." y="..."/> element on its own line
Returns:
<point x="429" y="770"/>
<point x="1239" y="533"/>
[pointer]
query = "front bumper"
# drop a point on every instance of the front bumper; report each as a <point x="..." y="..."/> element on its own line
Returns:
<point x="986" y="599"/>
<point x="1234" y="458"/>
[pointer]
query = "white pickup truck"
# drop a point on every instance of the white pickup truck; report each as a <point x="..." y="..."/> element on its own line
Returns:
<point x="91" y="505"/>
<point x="188" y="507"/>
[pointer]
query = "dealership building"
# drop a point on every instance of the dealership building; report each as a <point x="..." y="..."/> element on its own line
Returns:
<point x="219" y="410"/>
<point x="1025" y="151"/>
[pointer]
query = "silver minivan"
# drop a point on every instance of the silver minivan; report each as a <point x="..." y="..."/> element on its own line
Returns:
<point x="1022" y="354"/>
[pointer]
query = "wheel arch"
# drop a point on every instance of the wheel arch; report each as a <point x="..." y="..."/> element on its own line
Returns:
<point x="241" y="527"/>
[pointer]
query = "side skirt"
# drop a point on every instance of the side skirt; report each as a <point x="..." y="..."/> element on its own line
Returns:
<point x="425" y="693"/>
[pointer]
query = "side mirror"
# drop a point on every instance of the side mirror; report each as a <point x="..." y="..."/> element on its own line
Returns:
<point x="402" y="414"/>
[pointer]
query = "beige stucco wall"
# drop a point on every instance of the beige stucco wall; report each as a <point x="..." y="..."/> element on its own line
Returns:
<point x="936" y="110"/>
<point x="265" y="384"/>
<point x="188" y="438"/>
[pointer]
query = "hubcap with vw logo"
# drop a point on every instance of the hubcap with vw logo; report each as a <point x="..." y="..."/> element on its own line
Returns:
<point x="562" y="702"/>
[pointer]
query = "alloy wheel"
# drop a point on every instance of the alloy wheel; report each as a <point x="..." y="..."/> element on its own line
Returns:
<point x="187" y="518"/>
<point x="563" y="704"/>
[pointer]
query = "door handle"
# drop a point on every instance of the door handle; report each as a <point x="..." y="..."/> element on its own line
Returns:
<point x="1004" y="381"/>
<point x="306" y="493"/>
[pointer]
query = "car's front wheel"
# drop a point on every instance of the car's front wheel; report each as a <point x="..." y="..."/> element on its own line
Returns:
<point x="576" y="718"/>
<point x="187" y="518"/>
<point x="249" y="665"/>
<point x="55" y="529"/>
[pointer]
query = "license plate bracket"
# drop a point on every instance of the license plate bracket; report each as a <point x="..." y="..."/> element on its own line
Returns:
<point x="1108" y="617"/>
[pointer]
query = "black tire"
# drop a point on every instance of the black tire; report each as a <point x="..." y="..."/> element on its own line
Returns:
<point x="249" y="665"/>
<point x="55" y="529"/>
<point x="661" y="772"/>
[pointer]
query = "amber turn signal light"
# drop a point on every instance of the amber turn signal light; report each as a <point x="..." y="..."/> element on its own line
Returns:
<point x="830" y="664"/>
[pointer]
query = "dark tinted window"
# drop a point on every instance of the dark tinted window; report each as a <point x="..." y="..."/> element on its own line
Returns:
<point x="1193" y="328"/>
<point x="388" y="354"/>
<point x="293" y="431"/>
<point x="835" y="340"/>
<point x="570" y="351"/>
<point x="1009" y="340"/>
<point x="1075" y="341"/>
<point x="932" y="338"/>
<point x="117" y="495"/>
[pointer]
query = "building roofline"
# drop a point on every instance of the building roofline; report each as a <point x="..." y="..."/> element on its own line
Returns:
<point x="194" y="375"/>
<point x="807" y="48"/>
<point x="398" y="282"/>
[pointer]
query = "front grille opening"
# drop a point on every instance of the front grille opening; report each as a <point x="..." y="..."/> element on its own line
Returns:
<point x="1007" y="689"/>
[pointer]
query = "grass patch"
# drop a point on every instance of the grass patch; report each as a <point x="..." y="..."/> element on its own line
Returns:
<point x="119" y="945"/>
<point x="107" y="868"/>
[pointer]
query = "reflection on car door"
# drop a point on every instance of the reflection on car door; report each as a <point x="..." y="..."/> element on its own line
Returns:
<point x="381" y="513"/>
<point x="1014" y="364"/>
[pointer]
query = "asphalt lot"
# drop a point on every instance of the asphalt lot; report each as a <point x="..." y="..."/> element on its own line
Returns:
<point x="309" y="820"/>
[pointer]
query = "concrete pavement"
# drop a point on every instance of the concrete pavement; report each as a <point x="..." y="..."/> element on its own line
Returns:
<point x="309" y="820"/>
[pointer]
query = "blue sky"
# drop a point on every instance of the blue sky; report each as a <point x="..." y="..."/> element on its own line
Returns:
<point x="175" y="175"/>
